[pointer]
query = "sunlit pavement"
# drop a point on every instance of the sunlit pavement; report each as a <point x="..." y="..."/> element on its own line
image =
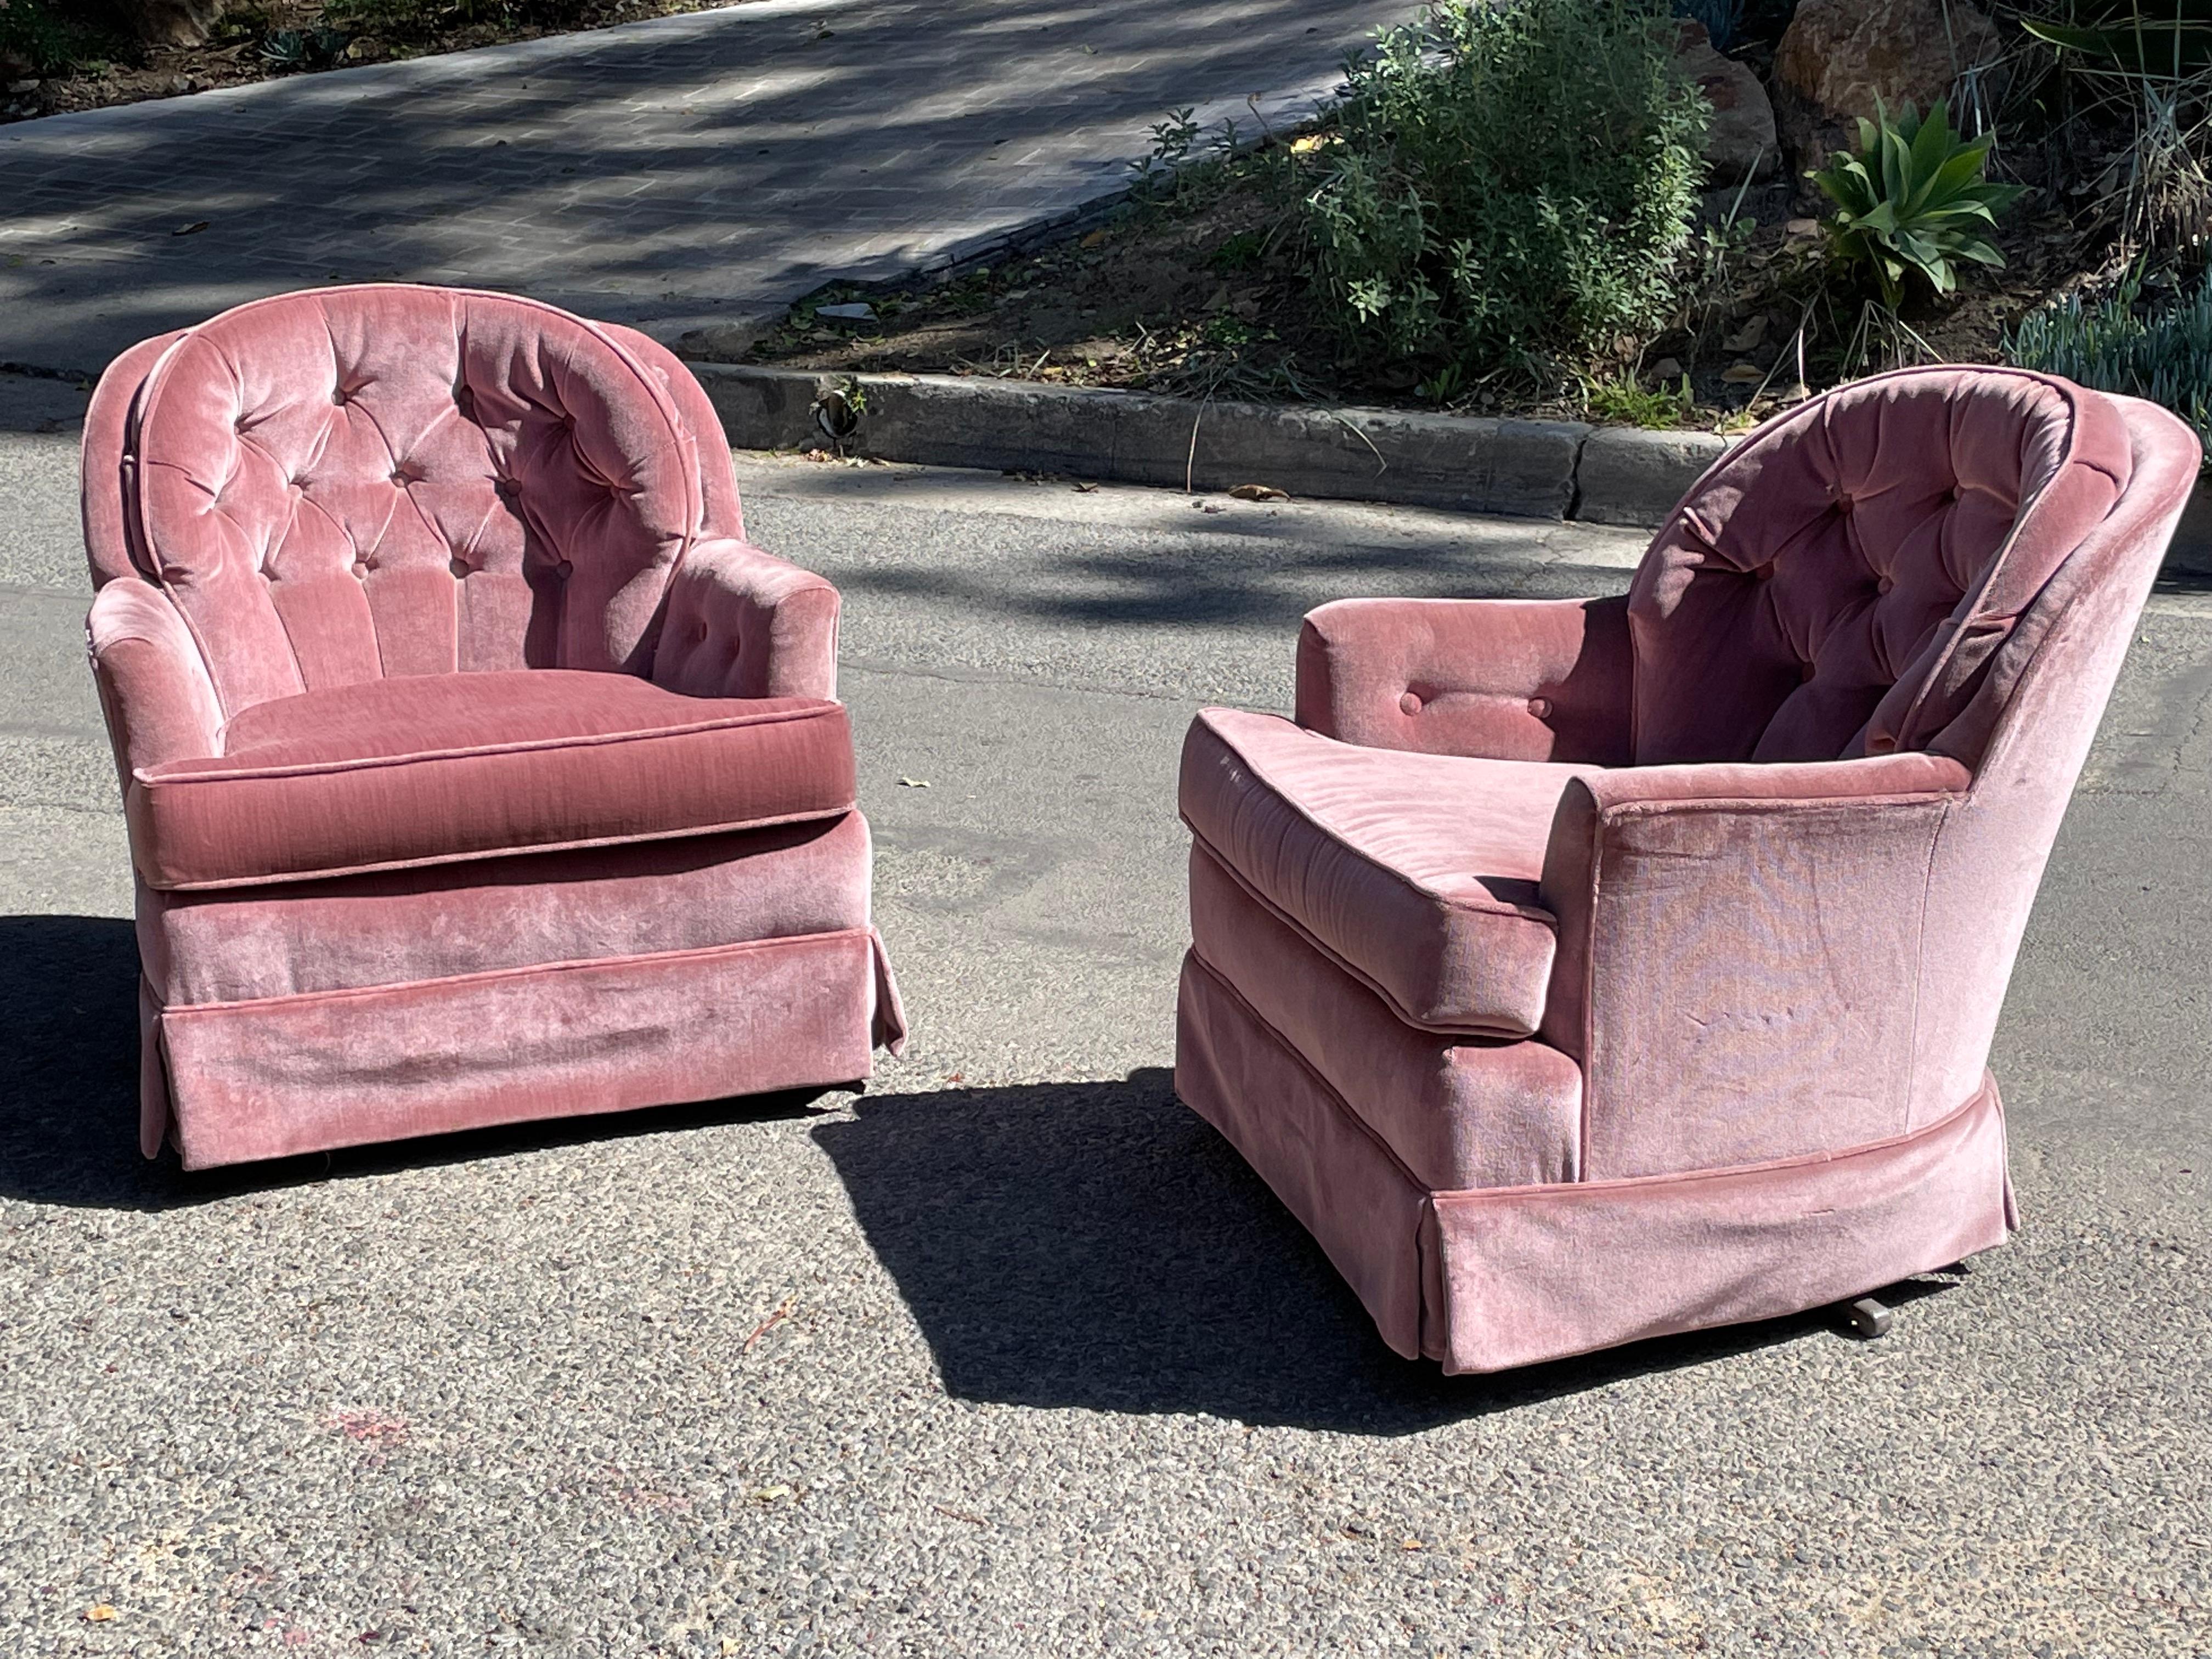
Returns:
<point x="1013" y="1356"/>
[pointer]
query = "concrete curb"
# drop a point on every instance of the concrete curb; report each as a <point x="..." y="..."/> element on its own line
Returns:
<point x="1532" y="469"/>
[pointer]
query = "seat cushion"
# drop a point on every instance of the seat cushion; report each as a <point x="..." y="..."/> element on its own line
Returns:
<point x="388" y="774"/>
<point x="1416" y="873"/>
<point x="1458" y="1111"/>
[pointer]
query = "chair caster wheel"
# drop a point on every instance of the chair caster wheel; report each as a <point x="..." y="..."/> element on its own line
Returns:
<point x="1868" y="1318"/>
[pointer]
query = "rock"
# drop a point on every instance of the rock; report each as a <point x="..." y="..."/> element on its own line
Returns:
<point x="172" y="22"/>
<point x="854" y="311"/>
<point x="724" y="343"/>
<point x="1742" y="139"/>
<point x="1837" y="56"/>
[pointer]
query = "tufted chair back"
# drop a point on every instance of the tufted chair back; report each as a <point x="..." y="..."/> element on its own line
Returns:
<point x="1841" y="583"/>
<point x="339" y="485"/>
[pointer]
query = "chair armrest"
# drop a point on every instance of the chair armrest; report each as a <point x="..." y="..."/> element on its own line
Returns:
<point x="740" y="622"/>
<point x="154" y="689"/>
<point x="1740" y="954"/>
<point x="1503" y="679"/>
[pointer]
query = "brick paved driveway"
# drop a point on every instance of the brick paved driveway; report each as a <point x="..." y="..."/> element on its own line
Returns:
<point x="672" y="172"/>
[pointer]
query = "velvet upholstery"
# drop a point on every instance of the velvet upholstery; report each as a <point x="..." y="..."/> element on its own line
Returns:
<point x="1896" y="530"/>
<point x="477" y="767"/>
<point x="1513" y="679"/>
<point x="1787" y="808"/>
<point x="1416" y="872"/>
<point x="389" y="927"/>
<point x="437" y="767"/>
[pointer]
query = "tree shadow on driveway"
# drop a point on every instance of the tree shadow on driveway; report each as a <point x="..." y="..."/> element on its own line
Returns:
<point x="69" y="1096"/>
<point x="1099" y="1245"/>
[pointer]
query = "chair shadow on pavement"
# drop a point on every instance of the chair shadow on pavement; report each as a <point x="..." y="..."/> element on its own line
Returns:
<point x="69" y="1096"/>
<point x="1099" y="1245"/>
<point x="1081" y="1245"/>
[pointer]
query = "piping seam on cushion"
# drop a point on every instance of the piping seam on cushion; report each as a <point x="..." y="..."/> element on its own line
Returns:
<point x="1492" y="1033"/>
<point x="1531" y="913"/>
<point x="523" y="746"/>
<point x="433" y="861"/>
<point x="1337" y="1101"/>
<point x="1986" y="1095"/>
<point x="484" y="975"/>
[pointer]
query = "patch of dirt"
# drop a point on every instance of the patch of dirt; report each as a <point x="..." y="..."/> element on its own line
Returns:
<point x="1201" y="296"/>
<point x="259" y="42"/>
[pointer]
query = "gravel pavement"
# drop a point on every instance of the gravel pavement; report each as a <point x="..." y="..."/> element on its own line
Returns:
<point x="1013" y="1356"/>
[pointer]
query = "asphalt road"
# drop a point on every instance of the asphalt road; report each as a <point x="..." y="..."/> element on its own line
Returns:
<point x="1013" y="1356"/>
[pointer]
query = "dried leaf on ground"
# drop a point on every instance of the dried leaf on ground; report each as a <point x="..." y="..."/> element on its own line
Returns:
<point x="1258" y="492"/>
<point x="1747" y="338"/>
<point x="783" y="1311"/>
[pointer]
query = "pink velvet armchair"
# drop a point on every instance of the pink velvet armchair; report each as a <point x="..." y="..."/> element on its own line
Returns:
<point x="1584" y="971"/>
<point x="476" y="768"/>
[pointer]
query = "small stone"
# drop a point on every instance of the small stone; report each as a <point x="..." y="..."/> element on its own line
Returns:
<point x="723" y="342"/>
<point x="1666" y="371"/>
<point x="1743" y="375"/>
<point x="17" y="88"/>
<point x="856" y="312"/>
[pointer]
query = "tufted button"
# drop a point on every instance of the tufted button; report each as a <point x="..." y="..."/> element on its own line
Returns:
<point x="362" y="566"/>
<point x="338" y="394"/>
<point x="562" y="569"/>
<point x="1409" y="704"/>
<point x="1762" y="573"/>
<point x="1883" y="585"/>
<point x="1540" y="708"/>
<point x="299" y="481"/>
<point x="461" y="567"/>
<point x="1804" y="673"/>
<point x="1843" y="503"/>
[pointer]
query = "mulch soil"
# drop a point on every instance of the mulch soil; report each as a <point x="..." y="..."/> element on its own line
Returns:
<point x="1201" y="296"/>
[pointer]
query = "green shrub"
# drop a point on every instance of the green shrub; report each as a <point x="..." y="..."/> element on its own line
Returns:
<point x="1505" y="176"/>
<point x="2119" y="346"/>
<point x="55" y="36"/>
<point x="415" y="19"/>
<point x="1913" y="199"/>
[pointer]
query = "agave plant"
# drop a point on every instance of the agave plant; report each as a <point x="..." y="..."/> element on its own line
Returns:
<point x="1913" y="197"/>
<point x="2153" y="39"/>
<point x="291" y="49"/>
